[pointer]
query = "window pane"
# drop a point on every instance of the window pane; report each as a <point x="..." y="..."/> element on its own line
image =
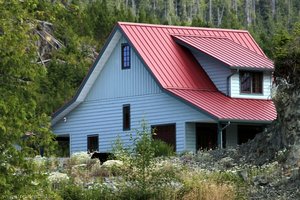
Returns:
<point x="125" y="56"/>
<point x="245" y="79"/>
<point x="257" y="82"/>
<point x="126" y="117"/>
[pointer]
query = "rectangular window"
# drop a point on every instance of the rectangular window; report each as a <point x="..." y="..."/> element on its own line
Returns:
<point x="251" y="82"/>
<point x="125" y="56"/>
<point x="126" y="117"/>
<point x="92" y="143"/>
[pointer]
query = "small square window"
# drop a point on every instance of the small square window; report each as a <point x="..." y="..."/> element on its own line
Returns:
<point x="251" y="82"/>
<point x="125" y="56"/>
<point x="126" y="117"/>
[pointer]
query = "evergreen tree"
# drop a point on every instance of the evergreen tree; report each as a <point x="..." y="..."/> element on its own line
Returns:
<point x="19" y="80"/>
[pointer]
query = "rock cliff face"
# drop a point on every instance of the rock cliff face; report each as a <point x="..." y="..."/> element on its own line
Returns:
<point x="287" y="102"/>
<point x="282" y="135"/>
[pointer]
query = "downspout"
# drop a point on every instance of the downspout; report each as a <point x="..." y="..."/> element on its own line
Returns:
<point x="228" y="77"/>
<point x="220" y="133"/>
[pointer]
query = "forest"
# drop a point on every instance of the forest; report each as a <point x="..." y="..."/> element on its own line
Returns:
<point x="47" y="47"/>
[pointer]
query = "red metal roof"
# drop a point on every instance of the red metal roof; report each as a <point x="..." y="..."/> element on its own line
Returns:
<point x="227" y="51"/>
<point x="226" y="108"/>
<point x="172" y="65"/>
<point x="178" y="72"/>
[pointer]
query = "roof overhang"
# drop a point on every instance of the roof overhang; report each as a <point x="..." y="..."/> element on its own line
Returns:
<point x="223" y="108"/>
<point x="226" y="51"/>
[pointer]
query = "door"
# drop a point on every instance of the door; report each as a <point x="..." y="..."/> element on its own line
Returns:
<point x="166" y="133"/>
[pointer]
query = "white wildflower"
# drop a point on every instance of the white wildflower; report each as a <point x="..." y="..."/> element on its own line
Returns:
<point x="80" y="158"/>
<point x="55" y="177"/>
<point x="112" y="163"/>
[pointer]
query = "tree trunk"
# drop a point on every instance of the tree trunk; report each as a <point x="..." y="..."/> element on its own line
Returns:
<point x="273" y="5"/>
<point x="133" y="7"/>
<point x="248" y="12"/>
<point x="234" y="6"/>
<point x="220" y="16"/>
<point x="210" y="11"/>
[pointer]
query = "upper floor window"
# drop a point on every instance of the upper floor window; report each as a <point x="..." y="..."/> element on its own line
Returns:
<point x="125" y="56"/>
<point x="126" y="117"/>
<point x="251" y="82"/>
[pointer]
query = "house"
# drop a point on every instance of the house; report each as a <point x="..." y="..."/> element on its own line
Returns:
<point x="198" y="87"/>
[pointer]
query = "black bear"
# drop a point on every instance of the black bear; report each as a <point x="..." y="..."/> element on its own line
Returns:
<point x="102" y="156"/>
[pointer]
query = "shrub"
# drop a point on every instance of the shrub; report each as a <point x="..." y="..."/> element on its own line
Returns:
<point x="203" y="186"/>
<point x="79" y="158"/>
<point x="74" y="192"/>
<point x="142" y="178"/>
<point x="161" y="148"/>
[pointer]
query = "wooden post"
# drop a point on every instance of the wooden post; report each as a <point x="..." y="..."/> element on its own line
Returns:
<point x="220" y="136"/>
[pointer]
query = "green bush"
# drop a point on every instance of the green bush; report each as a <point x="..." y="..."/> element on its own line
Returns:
<point x="141" y="170"/>
<point x="72" y="191"/>
<point x="161" y="148"/>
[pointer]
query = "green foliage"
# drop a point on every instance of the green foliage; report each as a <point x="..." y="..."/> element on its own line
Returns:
<point x="146" y="178"/>
<point x="161" y="148"/>
<point x="287" y="56"/>
<point x="202" y="184"/>
<point x="19" y="77"/>
<point x="70" y="191"/>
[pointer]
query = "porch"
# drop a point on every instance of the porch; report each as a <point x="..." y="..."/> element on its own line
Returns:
<point x="201" y="136"/>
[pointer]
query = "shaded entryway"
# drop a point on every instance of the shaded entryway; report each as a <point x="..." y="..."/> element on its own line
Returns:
<point x="206" y="136"/>
<point x="63" y="142"/>
<point x="248" y="132"/>
<point x="166" y="133"/>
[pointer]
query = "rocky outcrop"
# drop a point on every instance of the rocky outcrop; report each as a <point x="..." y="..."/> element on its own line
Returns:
<point x="287" y="102"/>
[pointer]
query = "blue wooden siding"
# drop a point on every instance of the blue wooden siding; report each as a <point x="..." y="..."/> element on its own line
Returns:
<point x="267" y="86"/>
<point x="231" y="135"/>
<point x="104" y="117"/>
<point x="216" y="70"/>
<point x="113" y="82"/>
<point x="190" y="130"/>
<point x="101" y="112"/>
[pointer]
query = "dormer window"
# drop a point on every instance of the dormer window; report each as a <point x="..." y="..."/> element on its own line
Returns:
<point x="251" y="82"/>
<point x="125" y="56"/>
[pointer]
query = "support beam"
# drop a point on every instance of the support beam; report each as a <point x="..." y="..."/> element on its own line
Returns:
<point x="220" y="136"/>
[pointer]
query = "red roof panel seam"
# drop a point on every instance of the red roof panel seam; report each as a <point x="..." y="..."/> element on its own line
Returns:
<point x="180" y="61"/>
<point x="157" y="55"/>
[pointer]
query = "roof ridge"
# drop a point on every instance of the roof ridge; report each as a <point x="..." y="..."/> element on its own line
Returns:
<point x="182" y="27"/>
<point x="202" y="36"/>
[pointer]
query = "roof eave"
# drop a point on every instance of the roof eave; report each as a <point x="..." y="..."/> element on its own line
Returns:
<point x="247" y="121"/>
<point x="191" y="104"/>
<point x="251" y="68"/>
